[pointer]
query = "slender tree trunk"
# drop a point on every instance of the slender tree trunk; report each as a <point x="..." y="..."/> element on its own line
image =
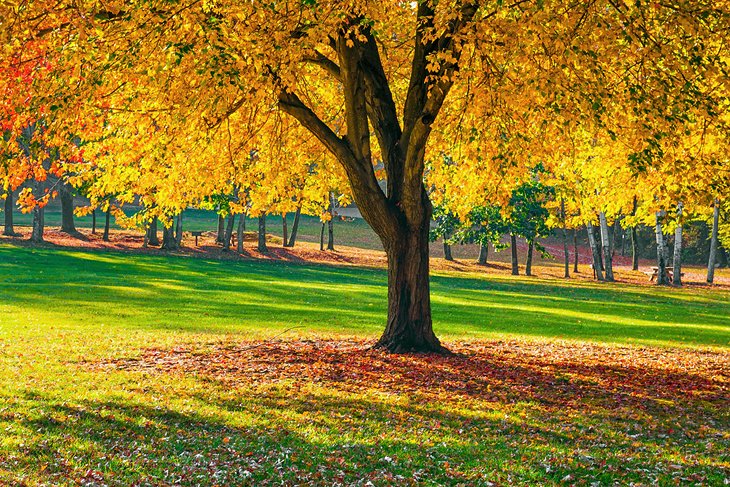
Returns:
<point x="634" y="248"/>
<point x="331" y="224"/>
<point x="168" y="238"/>
<point x="321" y="237"/>
<point x="483" y="254"/>
<point x="9" y="230"/>
<point x="566" y="253"/>
<point x="662" y="277"/>
<point x="262" y="234"/>
<point x="239" y="233"/>
<point x="107" y="215"/>
<point x="221" y="230"/>
<point x="447" y="251"/>
<point x="575" y="251"/>
<point x="284" y="230"/>
<point x="152" y="237"/>
<point x="228" y="235"/>
<point x="93" y="222"/>
<point x="515" y="262"/>
<point x="528" y="263"/>
<point x="38" y="225"/>
<point x="179" y="229"/>
<point x="677" y="262"/>
<point x="595" y="251"/>
<point x="67" y="208"/>
<point x="713" y="243"/>
<point x="606" y="246"/>
<point x="294" y="227"/>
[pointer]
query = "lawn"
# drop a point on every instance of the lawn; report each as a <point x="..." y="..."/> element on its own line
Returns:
<point x="119" y="369"/>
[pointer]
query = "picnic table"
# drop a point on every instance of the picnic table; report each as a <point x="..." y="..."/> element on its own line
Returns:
<point x="654" y="273"/>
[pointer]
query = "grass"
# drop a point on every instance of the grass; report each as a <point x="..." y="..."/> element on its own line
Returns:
<point x="65" y="421"/>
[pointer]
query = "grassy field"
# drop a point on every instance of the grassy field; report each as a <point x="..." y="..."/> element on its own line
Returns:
<point x="120" y="369"/>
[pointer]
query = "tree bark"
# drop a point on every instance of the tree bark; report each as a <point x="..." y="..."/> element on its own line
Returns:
<point x="634" y="248"/>
<point x="713" y="242"/>
<point x="93" y="221"/>
<point x="179" y="229"/>
<point x="447" y="251"/>
<point x="284" y="230"/>
<point x="9" y="230"/>
<point x="483" y="254"/>
<point x="606" y="246"/>
<point x="67" y="208"/>
<point x="677" y="261"/>
<point x="239" y="233"/>
<point x="228" y="232"/>
<point x="595" y="252"/>
<point x="168" y="237"/>
<point x="575" y="251"/>
<point x="566" y="253"/>
<point x="515" y="262"/>
<point x="662" y="276"/>
<point x="321" y="238"/>
<point x="36" y="234"/>
<point x="262" y="234"/>
<point x="107" y="218"/>
<point x="294" y="227"/>
<point x="221" y="230"/>
<point x="152" y="238"/>
<point x="528" y="263"/>
<point x="331" y="224"/>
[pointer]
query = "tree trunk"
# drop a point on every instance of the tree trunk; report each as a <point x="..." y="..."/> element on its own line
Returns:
<point x="515" y="262"/>
<point x="606" y="246"/>
<point x="409" y="304"/>
<point x="168" y="237"/>
<point x="483" y="254"/>
<point x="228" y="235"/>
<point x="38" y="224"/>
<point x="262" y="234"/>
<point x="528" y="263"/>
<point x="179" y="229"/>
<point x="152" y="237"/>
<point x="294" y="227"/>
<point x="662" y="277"/>
<point x="284" y="230"/>
<point x="595" y="252"/>
<point x="566" y="253"/>
<point x="634" y="248"/>
<point x="93" y="221"/>
<point x="221" y="230"/>
<point x="9" y="230"/>
<point x="713" y="243"/>
<point x="321" y="238"/>
<point x="331" y="224"/>
<point x="239" y="233"/>
<point x="67" y="208"/>
<point x="575" y="251"/>
<point x="447" y="251"/>
<point x="107" y="215"/>
<point x="677" y="262"/>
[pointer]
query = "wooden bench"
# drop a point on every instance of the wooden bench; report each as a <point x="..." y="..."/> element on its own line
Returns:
<point x="654" y="273"/>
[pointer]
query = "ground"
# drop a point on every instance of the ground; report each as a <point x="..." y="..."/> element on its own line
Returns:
<point x="126" y="368"/>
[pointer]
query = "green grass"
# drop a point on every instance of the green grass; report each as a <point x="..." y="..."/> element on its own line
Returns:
<point x="62" y="423"/>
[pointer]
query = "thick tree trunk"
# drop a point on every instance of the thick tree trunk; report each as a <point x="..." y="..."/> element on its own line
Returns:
<point x="575" y="251"/>
<point x="662" y="276"/>
<point x="294" y="228"/>
<point x="229" y="232"/>
<point x="152" y="237"/>
<point x="67" y="208"/>
<point x="262" y="234"/>
<point x="9" y="230"/>
<point x="93" y="222"/>
<point x="36" y="234"/>
<point x="483" y="254"/>
<point x="566" y="253"/>
<point x="168" y="237"/>
<point x="447" y="251"/>
<point x="179" y="229"/>
<point x="239" y="233"/>
<point x="595" y="252"/>
<point x="107" y="218"/>
<point x="515" y="262"/>
<point x="284" y="230"/>
<point x="677" y="261"/>
<point x="530" y="252"/>
<point x="409" y="326"/>
<point x="713" y="243"/>
<point x="221" y="230"/>
<point x="606" y="246"/>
